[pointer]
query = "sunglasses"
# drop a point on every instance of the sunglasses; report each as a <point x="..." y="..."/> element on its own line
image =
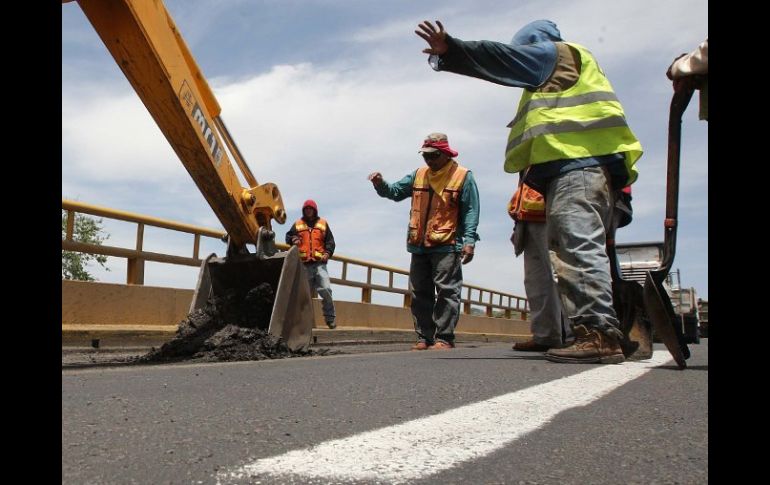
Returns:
<point x="431" y="155"/>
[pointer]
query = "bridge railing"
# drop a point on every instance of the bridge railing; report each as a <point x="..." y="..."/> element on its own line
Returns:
<point x="495" y="303"/>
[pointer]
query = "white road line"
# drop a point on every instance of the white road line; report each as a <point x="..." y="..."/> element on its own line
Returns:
<point x="418" y="448"/>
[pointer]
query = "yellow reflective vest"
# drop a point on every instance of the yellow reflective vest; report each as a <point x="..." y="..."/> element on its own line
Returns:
<point x="585" y="120"/>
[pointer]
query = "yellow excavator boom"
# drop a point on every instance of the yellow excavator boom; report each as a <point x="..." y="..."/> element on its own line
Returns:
<point x="147" y="46"/>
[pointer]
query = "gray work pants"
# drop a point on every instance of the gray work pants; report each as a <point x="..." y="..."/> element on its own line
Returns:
<point x="435" y="281"/>
<point x="548" y="325"/>
<point x="578" y="210"/>
<point x="318" y="279"/>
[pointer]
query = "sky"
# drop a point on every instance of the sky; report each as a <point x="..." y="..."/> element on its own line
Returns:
<point x="317" y="94"/>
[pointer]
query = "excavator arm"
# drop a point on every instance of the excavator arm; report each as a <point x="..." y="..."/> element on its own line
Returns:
<point x="147" y="46"/>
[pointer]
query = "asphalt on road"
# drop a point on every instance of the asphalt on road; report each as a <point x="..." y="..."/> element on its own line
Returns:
<point x="191" y="423"/>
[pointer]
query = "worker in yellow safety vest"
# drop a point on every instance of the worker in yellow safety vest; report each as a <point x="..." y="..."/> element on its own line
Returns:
<point x="571" y="133"/>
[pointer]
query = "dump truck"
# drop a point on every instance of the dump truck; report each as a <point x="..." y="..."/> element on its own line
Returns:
<point x="636" y="259"/>
<point x="149" y="49"/>
<point x="685" y="301"/>
<point x="703" y="316"/>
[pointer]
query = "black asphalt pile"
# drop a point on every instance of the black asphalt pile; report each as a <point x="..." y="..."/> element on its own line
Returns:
<point x="227" y="328"/>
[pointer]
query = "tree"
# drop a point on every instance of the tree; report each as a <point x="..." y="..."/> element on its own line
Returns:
<point x="86" y="230"/>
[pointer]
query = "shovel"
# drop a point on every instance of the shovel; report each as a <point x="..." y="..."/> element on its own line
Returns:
<point x="656" y="300"/>
<point x="628" y="301"/>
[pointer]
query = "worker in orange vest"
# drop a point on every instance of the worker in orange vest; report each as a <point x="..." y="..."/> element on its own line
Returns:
<point x="549" y="327"/>
<point x="316" y="245"/>
<point x="441" y="236"/>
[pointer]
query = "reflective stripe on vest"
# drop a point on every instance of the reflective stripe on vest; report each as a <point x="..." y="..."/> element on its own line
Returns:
<point x="585" y="120"/>
<point x="312" y="240"/>
<point x="438" y="213"/>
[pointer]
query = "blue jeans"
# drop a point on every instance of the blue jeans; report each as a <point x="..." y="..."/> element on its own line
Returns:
<point x="436" y="280"/>
<point x="318" y="279"/>
<point x="578" y="210"/>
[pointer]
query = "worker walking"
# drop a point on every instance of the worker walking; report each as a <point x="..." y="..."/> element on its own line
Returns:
<point x="571" y="130"/>
<point x="440" y="237"/>
<point x="316" y="245"/>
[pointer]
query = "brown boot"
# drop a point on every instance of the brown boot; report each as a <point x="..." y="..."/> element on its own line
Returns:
<point x="590" y="347"/>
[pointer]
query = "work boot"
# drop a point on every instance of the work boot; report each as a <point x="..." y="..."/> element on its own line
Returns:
<point x="530" y="346"/>
<point x="331" y="324"/>
<point x="590" y="347"/>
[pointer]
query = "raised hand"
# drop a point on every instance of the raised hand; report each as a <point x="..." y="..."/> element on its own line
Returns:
<point x="375" y="178"/>
<point x="436" y="39"/>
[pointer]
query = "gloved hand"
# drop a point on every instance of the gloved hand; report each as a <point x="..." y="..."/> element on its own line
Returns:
<point x="295" y="240"/>
<point x="325" y="258"/>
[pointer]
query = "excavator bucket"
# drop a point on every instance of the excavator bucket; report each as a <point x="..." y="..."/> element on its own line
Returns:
<point x="292" y="310"/>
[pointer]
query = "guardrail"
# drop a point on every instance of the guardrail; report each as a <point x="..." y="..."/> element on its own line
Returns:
<point x="505" y="303"/>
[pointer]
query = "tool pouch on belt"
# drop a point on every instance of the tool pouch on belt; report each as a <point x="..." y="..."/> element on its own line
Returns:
<point x="527" y="204"/>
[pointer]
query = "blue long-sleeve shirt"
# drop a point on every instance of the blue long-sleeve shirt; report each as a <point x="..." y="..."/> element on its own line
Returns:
<point x="528" y="62"/>
<point x="518" y="66"/>
<point x="468" y="212"/>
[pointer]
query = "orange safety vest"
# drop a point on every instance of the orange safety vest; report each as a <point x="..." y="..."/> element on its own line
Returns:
<point x="527" y="204"/>
<point x="312" y="240"/>
<point x="433" y="218"/>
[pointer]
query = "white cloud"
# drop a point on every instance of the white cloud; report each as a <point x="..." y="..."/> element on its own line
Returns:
<point x="317" y="130"/>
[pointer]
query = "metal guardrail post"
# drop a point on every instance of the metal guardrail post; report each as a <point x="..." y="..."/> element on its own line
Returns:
<point x="196" y="246"/>
<point x="135" y="269"/>
<point x="366" y="293"/>
<point x="70" y="224"/>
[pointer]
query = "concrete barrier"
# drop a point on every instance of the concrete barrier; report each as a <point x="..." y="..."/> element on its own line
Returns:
<point x="114" y="307"/>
